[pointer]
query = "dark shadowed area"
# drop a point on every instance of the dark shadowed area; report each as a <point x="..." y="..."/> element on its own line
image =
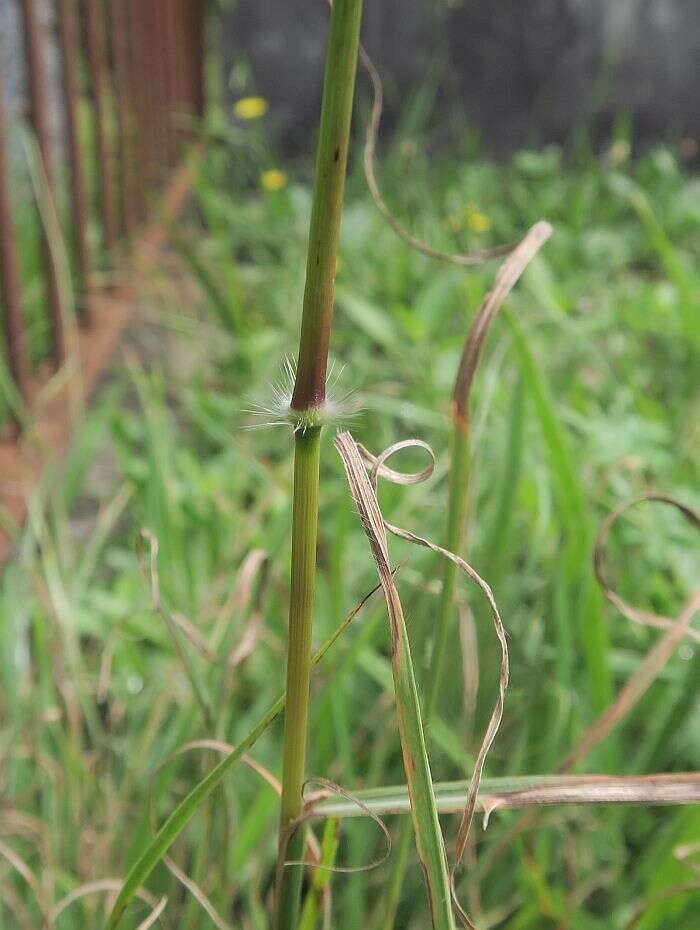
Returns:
<point x="521" y="73"/>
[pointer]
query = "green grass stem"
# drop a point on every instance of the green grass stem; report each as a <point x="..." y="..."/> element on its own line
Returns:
<point x="301" y="607"/>
<point x="308" y="395"/>
<point x="454" y="536"/>
<point x="318" y="891"/>
<point x="329" y="186"/>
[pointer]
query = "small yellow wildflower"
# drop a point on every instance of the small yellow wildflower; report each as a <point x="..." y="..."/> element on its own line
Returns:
<point x="619" y="152"/>
<point x="477" y="221"/>
<point x="250" y="107"/>
<point x="273" y="179"/>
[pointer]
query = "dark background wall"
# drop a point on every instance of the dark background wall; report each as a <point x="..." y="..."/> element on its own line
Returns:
<point x="522" y="71"/>
<point x="12" y="62"/>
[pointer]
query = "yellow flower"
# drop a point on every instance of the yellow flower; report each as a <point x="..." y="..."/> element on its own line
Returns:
<point x="273" y="179"/>
<point x="477" y="221"/>
<point x="250" y="107"/>
<point x="619" y="152"/>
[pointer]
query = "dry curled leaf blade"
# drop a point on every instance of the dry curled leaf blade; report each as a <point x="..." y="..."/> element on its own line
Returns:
<point x="355" y="460"/>
<point x="330" y="789"/>
<point x="657" y="658"/>
<point x="197" y="893"/>
<point x="428" y="836"/>
<point x="525" y="791"/>
<point x="101" y="886"/>
<point x="507" y="277"/>
<point x="476" y="257"/>
<point x="643" y="677"/>
<point x="635" y="614"/>
<point x="20" y="866"/>
<point x="636" y="685"/>
<point x="379" y="468"/>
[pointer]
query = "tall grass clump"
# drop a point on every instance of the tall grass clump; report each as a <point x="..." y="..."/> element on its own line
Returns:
<point x="375" y="692"/>
<point x="307" y="413"/>
<point x="457" y="497"/>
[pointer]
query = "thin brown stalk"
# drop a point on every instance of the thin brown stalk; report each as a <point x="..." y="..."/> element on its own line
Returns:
<point x="197" y="893"/>
<point x="21" y="867"/>
<point x="507" y="277"/>
<point x="643" y="617"/>
<point x="636" y="686"/>
<point x="99" y="886"/>
<point x="666" y="895"/>
<point x="655" y="661"/>
<point x="640" y="790"/>
<point x="154" y="915"/>
<point x="455" y="258"/>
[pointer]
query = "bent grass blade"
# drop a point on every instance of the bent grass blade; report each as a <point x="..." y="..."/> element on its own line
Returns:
<point x="182" y="814"/>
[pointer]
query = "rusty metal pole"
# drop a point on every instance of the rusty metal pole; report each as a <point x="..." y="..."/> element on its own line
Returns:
<point x="180" y="54"/>
<point x="97" y="65"/>
<point x="36" y="83"/>
<point x="199" y="51"/>
<point x="188" y="57"/>
<point x="125" y="117"/>
<point x="13" y="326"/>
<point x="149" y="28"/>
<point x="134" y="12"/>
<point x="156" y="46"/>
<point x="160" y="83"/>
<point x="171" y="74"/>
<point x="142" y="30"/>
<point x="68" y="37"/>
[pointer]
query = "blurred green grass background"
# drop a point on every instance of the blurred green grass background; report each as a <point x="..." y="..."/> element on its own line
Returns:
<point x="589" y="393"/>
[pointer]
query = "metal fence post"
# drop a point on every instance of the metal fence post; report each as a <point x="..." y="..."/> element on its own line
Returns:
<point x="99" y="92"/>
<point x="68" y="38"/>
<point x="13" y="325"/>
<point x="36" y="83"/>
<point x="121" y="41"/>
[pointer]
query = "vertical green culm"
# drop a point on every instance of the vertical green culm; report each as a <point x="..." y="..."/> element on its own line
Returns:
<point x="456" y="512"/>
<point x="307" y="416"/>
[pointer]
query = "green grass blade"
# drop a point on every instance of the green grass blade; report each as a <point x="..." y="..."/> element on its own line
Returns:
<point x="680" y="272"/>
<point x="322" y="876"/>
<point x="456" y="513"/>
<point x="561" y="461"/>
<point x="179" y="818"/>
<point x="593" y="631"/>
